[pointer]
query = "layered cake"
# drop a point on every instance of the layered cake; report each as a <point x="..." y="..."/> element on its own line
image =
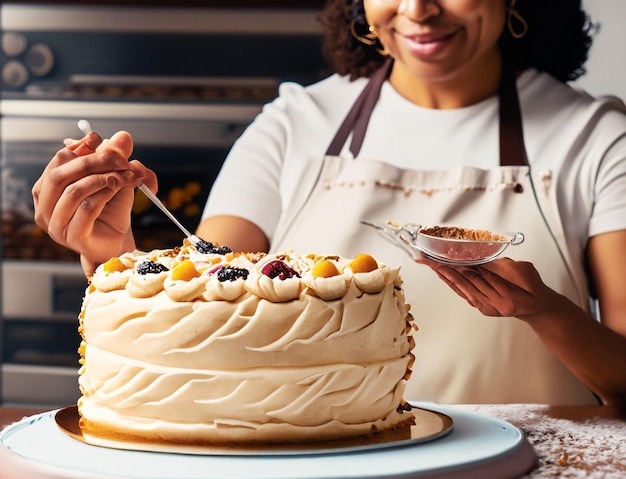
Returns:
<point x="205" y="346"/>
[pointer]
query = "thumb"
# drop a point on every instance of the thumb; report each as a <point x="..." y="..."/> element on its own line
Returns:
<point x="122" y="141"/>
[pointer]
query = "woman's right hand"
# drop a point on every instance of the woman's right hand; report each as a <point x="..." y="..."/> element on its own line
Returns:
<point x="84" y="197"/>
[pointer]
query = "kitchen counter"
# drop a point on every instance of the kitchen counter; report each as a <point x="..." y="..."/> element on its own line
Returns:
<point x="570" y="441"/>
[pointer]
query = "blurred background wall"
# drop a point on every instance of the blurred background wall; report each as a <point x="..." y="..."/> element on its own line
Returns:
<point x="606" y="69"/>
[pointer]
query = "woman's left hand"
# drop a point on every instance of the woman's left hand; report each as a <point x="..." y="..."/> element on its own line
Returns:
<point x="502" y="287"/>
<point x="593" y="350"/>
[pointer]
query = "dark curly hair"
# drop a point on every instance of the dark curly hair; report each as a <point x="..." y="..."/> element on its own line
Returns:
<point x="558" y="39"/>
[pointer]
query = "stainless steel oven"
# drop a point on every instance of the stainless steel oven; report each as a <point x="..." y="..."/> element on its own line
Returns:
<point x="185" y="82"/>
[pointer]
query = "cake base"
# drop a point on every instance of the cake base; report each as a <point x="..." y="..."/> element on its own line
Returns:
<point x="429" y="425"/>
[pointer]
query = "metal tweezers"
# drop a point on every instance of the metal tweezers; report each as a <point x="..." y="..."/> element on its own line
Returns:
<point x="403" y="236"/>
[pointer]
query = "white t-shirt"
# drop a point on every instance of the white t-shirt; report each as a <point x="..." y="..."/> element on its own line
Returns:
<point x="580" y="139"/>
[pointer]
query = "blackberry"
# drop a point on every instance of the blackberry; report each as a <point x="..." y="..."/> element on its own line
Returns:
<point x="231" y="274"/>
<point x="222" y="250"/>
<point x="204" y="246"/>
<point x="148" y="267"/>
<point x="279" y="269"/>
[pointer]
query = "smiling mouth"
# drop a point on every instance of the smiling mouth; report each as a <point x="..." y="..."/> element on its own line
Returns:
<point x="427" y="45"/>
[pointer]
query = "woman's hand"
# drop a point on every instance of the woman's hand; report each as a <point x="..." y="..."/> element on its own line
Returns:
<point x="595" y="351"/>
<point x="84" y="197"/>
<point x="500" y="288"/>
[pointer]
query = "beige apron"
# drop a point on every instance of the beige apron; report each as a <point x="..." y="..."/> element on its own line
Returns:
<point x="461" y="355"/>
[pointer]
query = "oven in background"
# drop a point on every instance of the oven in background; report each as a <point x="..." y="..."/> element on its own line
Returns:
<point x="184" y="82"/>
<point x="42" y="282"/>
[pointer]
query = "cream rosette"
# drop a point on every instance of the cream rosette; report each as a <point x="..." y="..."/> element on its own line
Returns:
<point x="146" y="285"/>
<point x="275" y="289"/>
<point x="217" y="290"/>
<point x="374" y="281"/>
<point x="112" y="281"/>
<point x="328" y="289"/>
<point x="185" y="290"/>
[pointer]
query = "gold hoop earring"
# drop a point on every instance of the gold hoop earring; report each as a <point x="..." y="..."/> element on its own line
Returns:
<point x="514" y="16"/>
<point x="369" y="39"/>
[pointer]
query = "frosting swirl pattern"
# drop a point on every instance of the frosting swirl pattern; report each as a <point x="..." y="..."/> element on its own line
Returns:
<point x="199" y="348"/>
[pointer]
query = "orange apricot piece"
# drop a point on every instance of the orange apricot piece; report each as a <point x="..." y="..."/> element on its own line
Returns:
<point x="185" y="271"/>
<point x="324" y="269"/>
<point x="363" y="263"/>
<point x="114" y="264"/>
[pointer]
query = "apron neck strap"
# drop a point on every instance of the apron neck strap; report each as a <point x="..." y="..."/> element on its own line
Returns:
<point x="512" y="149"/>
<point x="357" y="119"/>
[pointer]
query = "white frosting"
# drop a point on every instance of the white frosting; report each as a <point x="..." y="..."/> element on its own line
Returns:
<point x="334" y="287"/>
<point x="111" y="281"/>
<point x="180" y="290"/>
<point x="217" y="290"/>
<point x="145" y="285"/>
<point x="273" y="289"/>
<point x="373" y="281"/>
<point x="316" y="402"/>
<point x="260" y="359"/>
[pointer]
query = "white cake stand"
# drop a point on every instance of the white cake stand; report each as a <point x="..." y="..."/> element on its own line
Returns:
<point x="476" y="446"/>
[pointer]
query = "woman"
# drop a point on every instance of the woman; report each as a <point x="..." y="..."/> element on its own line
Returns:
<point x="442" y="112"/>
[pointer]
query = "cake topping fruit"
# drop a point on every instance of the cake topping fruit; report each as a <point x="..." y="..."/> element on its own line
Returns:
<point x="113" y="265"/>
<point x="207" y="247"/>
<point x="204" y="246"/>
<point x="363" y="263"/>
<point x="279" y="269"/>
<point x="185" y="271"/>
<point x="228" y="273"/>
<point x="151" y="267"/>
<point x="324" y="269"/>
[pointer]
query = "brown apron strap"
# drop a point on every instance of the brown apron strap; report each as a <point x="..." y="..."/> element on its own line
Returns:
<point x="358" y="117"/>
<point x="512" y="149"/>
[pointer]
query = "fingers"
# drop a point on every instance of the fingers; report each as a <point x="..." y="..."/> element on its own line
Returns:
<point x="481" y="288"/>
<point x="503" y="287"/>
<point x="448" y="275"/>
<point x="84" y="146"/>
<point x="469" y="282"/>
<point x="69" y="167"/>
<point x="107" y="156"/>
<point x="91" y="214"/>
<point x="83" y="201"/>
<point x="84" y="197"/>
<point x="452" y="285"/>
<point x="148" y="177"/>
<point x="77" y="160"/>
<point x="122" y="142"/>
